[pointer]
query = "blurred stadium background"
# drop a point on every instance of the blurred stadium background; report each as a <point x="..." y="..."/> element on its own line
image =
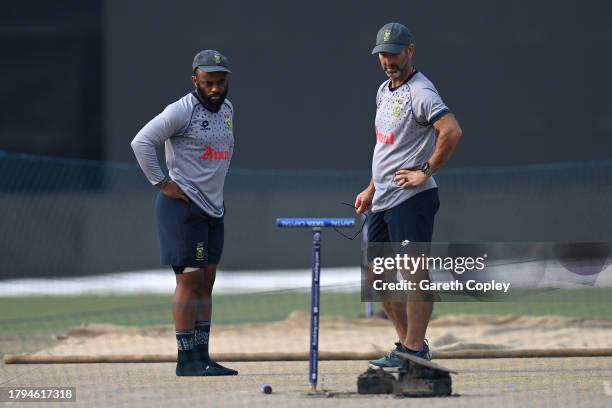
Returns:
<point x="528" y="82"/>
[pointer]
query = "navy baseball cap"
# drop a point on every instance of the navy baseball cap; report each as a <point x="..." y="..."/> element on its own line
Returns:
<point x="392" y="38"/>
<point x="211" y="61"/>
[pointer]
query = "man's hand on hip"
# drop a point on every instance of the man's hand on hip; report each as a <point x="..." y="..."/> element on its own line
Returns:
<point x="172" y="190"/>
<point x="409" y="178"/>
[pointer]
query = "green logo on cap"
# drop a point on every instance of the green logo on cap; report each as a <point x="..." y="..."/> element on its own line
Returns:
<point x="217" y="58"/>
<point x="387" y="35"/>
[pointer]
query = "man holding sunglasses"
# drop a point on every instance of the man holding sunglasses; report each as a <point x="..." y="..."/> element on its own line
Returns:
<point x="415" y="136"/>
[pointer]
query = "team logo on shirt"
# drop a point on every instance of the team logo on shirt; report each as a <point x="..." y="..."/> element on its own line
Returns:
<point x="228" y="121"/>
<point x="205" y="124"/>
<point x="211" y="154"/>
<point x="397" y="108"/>
<point x="387" y="35"/>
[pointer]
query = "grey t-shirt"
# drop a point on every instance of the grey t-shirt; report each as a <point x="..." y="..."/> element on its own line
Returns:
<point x="199" y="145"/>
<point x="405" y="136"/>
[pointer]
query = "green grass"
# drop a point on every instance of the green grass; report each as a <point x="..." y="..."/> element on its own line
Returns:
<point x="60" y="312"/>
<point x="31" y="323"/>
<point x="53" y="313"/>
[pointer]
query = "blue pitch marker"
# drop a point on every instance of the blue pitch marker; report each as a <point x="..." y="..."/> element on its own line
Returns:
<point x="316" y="224"/>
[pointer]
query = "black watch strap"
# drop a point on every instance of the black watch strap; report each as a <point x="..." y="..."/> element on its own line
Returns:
<point x="425" y="168"/>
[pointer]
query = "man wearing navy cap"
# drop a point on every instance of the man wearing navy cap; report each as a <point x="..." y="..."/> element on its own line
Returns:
<point x="415" y="135"/>
<point x="197" y="132"/>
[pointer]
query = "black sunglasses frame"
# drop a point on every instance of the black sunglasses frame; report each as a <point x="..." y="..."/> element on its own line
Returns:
<point x="360" y="229"/>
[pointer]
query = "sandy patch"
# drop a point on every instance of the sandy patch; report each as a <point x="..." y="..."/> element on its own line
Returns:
<point x="339" y="334"/>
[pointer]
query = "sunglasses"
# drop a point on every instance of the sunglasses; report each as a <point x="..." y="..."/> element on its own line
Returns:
<point x="360" y="229"/>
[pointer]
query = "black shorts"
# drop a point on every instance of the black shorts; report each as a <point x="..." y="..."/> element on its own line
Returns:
<point x="188" y="236"/>
<point x="412" y="220"/>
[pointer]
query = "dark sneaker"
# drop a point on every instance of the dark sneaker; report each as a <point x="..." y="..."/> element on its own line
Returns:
<point x="391" y="360"/>
<point x="424" y="352"/>
<point x="212" y="368"/>
<point x="187" y="365"/>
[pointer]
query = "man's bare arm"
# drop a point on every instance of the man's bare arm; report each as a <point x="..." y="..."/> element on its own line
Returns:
<point x="449" y="133"/>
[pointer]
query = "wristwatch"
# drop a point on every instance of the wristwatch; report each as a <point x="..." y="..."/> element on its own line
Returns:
<point x="426" y="169"/>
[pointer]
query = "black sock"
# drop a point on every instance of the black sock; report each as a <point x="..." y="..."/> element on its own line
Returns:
<point x="201" y="336"/>
<point x="185" y="340"/>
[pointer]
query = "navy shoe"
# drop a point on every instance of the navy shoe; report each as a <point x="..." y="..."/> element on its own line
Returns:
<point x="187" y="365"/>
<point x="212" y="368"/>
<point x="391" y="360"/>
<point x="424" y="352"/>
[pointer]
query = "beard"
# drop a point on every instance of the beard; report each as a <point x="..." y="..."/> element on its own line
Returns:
<point x="211" y="104"/>
<point x="394" y="71"/>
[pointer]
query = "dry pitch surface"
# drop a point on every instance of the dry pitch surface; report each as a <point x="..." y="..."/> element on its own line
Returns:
<point x="554" y="382"/>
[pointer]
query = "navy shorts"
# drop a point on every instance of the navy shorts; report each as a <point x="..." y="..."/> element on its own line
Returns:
<point x="188" y="236"/>
<point x="412" y="220"/>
